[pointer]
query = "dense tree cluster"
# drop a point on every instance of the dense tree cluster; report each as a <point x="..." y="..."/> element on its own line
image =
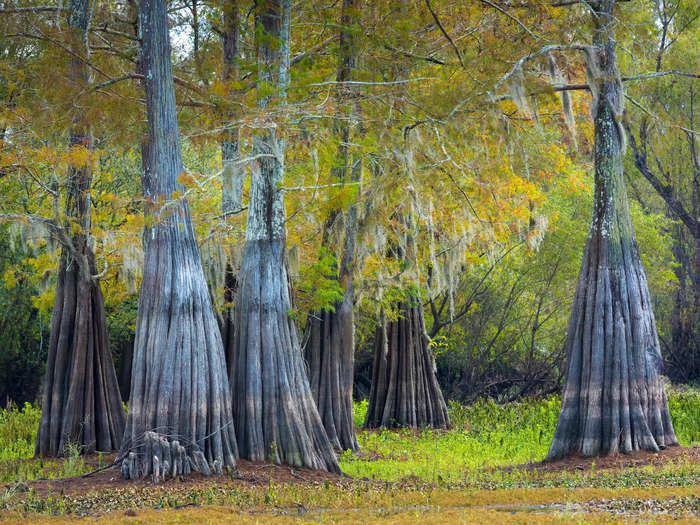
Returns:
<point x="259" y="209"/>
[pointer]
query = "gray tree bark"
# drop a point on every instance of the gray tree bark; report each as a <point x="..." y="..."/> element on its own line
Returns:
<point x="80" y="402"/>
<point x="329" y="348"/>
<point x="405" y="391"/>
<point x="233" y="173"/>
<point x="613" y="398"/>
<point x="180" y="416"/>
<point x="276" y="418"/>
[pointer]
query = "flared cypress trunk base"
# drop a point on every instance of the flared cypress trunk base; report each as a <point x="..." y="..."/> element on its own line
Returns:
<point x="180" y="409"/>
<point x="81" y="405"/>
<point x="274" y="411"/>
<point x="329" y="357"/>
<point x="614" y="398"/>
<point x="405" y="391"/>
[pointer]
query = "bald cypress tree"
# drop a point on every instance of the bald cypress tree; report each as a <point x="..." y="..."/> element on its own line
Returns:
<point x="329" y="348"/>
<point x="81" y="404"/>
<point x="613" y="398"/>
<point x="180" y="409"/>
<point x="274" y="410"/>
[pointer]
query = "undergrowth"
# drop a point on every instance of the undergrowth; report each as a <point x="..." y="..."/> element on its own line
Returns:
<point x="483" y="435"/>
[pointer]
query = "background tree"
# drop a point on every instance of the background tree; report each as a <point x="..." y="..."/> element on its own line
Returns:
<point x="180" y="409"/>
<point x="233" y="170"/>
<point x="81" y="402"/>
<point x="329" y="346"/>
<point x="664" y="149"/>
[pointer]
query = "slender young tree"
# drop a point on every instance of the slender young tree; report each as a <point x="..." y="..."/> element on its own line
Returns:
<point x="81" y="403"/>
<point x="613" y="398"/>
<point x="274" y="411"/>
<point x="180" y="408"/>
<point x="233" y="171"/>
<point x="329" y="348"/>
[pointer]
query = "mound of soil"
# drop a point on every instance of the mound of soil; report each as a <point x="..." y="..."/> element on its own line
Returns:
<point x="640" y="458"/>
<point x="248" y="472"/>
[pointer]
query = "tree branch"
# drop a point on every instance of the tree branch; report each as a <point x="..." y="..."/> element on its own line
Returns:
<point x="36" y="9"/>
<point x="661" y="74"/>
<point x="665" y="191"/>
<point x="506" y="13"/>
<point x="444" y="32"/>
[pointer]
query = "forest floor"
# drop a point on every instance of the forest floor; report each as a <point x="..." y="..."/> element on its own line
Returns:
<point x="487" y="469"/>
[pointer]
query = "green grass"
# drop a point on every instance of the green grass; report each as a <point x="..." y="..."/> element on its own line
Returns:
<point x="434" y="470"/>
<point x="18" y="428"/>
<point x="484" y="434"/>
<point x="18" y="432"/>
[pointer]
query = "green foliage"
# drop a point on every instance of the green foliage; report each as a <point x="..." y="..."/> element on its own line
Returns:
<point x="23" y="328"/>
<point x="18" y="429"/>
<point x="319" y="286"/>
<point x="684" y="404"/>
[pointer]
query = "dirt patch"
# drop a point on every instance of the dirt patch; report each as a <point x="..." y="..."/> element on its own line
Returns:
<point x="247" y="472"/>
<point x="637" y="459"/>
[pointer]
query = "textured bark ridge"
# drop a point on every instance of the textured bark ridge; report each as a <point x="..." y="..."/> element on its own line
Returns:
<point x="180" y="415"/>
<point x="405" y="391"/>
<point x="274" y="411"/>
<point x="613" y="398"/>
<point x="329" y="348"/>
<point x="80" y="404"/>
<point x="329" y="355"/>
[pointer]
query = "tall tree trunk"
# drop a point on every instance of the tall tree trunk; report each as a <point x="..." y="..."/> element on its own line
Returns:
<point x="233" y="174"/>
<point x="81" y="403"/>
<point x="274" y="411"/>
<point x="613" y="398"/>
<point x="126" y="358"/>
<point x="180" y="412"/>
<point x="405" y="391"/>
<point x="329" y="349"/>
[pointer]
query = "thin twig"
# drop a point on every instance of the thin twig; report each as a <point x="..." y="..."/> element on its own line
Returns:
<point x="444" y="32"/>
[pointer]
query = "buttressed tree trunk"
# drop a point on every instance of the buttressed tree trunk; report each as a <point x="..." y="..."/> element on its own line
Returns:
<point x="274" y="411"/>
<point x="180" y="409"/>
<point x="405" y="391"/>
<point x="613" y="398"/>
<point x="81" y="404"/>
<point x="233" y="172"/>
<point x="329" y="349"/>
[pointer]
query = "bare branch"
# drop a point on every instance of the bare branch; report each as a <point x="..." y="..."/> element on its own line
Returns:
<point x="665" y="191"/>
<point x="506" y="13"/>
<point x="361" y="83"/>
<point x="444" y="32"/>
<point x="661" y="74"/>
<point x="36" y="9"/>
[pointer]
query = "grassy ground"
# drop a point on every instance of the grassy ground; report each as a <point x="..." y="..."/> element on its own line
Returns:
<point x="398" y="477"/>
